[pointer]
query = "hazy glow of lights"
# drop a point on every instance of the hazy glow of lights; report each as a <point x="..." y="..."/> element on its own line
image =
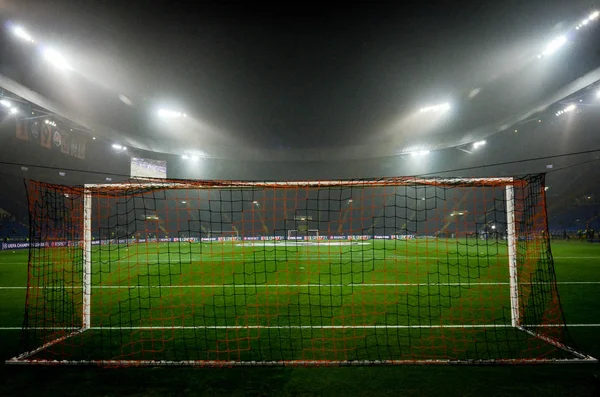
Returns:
<point x="56" y="59"/>
<point x="478" y="144"/>
<point x="420" y="153"/>
<point x="594" y="15"/>
<point x="553" y="46"/>
<point x="493" y="226"/>
<point x="117" y="146"/>
<point x="185" y="157"/>
<point x="5" y="103"/>
<point x="598" y="94"/>
<point x="184" y="202"/>
<point x="14" y="110"/>
<point x="443" y="107"/>
<point x="568" y="109"/>
<point x="171" y="114"/>
<point x="22" y="34"/>
<point x="195" y="158"/>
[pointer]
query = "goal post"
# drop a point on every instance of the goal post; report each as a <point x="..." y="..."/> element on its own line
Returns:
<point x="397" y="279"/>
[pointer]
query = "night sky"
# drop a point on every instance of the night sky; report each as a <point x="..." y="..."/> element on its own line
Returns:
<point x="297" y="75"/>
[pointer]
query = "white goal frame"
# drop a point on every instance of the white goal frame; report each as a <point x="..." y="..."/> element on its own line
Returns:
<point x="148" y="183"/>
<point x="290" y="237"/>
<point x="223" y="233"/>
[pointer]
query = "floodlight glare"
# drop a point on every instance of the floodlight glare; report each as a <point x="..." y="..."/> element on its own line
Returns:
<point x="420" y="153"/>
<point x="444" y="107"/>
<point x="5" y="103"/>
<point x="598" y="94"/>
<point x="117" y="146"/>
<point x="185" y="157"/>
<point x="170" y="114"/>
<point x="22" y="34"/>
<point x="594" y="15"/>
<point x="195" y="158"/>
<point x="14" y="110"/>
<point x="478" y="144"/>
<point x="56" y="59"/>
<point x="554" y="45"/>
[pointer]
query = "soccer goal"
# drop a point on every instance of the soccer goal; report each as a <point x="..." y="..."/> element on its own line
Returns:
<point x="402" y="276"/>
<point x="308" y="234"/>
<point x="223" y="235"/>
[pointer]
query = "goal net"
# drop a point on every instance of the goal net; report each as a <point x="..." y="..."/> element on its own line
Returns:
<point x="407" y="270"/>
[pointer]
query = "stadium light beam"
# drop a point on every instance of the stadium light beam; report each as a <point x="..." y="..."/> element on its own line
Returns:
<point x="443" y="107"/>
<point x="22" y="34"/>
<point x="170" y="114"/>
<point x="56" y="59"/>
<point x="478" y="144"/>
<point x="553" y="46"/>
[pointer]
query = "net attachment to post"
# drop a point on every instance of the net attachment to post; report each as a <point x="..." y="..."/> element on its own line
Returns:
<point x="237" y="273"/>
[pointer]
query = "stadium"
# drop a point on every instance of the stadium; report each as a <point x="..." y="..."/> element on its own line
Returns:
<point x="226" y="200"/>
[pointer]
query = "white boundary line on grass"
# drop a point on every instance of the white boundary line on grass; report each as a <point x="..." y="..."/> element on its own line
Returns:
<point x="298" y="285"/>
<point x="217" y="327"/>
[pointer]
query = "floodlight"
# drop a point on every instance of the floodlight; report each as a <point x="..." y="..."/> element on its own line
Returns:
<point x="94" y="138"/>
<point x="194" y="158"/>
<point x="5" y="103"/>
<point x="185" y="157"/>
<point x="493" y="226"/>
<point x="554" y="45"/>
<point x="594" y="15"/>
<point x="117" y="146"/>
<point x="420" y="153"/>
<point x="255" y="202"/>
<point x="444" y="107"/>
<point x="14" y="110"/>
<point x="478" y="143"/>
<point x="170" y="114"/>
<point x="22" y="34"/>
<point x="598" y="94"/>
<point x="55" y="58"/>
<point x="184" y="202"/>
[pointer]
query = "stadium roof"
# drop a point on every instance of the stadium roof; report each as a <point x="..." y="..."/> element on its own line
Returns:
<point x="322" y="82"/>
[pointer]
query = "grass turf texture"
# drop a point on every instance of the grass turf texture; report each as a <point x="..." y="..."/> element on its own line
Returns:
<point x="575" y="262"/>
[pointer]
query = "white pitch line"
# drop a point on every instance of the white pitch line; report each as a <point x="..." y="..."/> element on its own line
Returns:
<point x="299" y="285"/>
<point x="195" y="327"/>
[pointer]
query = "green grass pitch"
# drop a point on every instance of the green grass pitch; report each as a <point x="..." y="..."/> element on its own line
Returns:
<point x="277" y="288"/>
